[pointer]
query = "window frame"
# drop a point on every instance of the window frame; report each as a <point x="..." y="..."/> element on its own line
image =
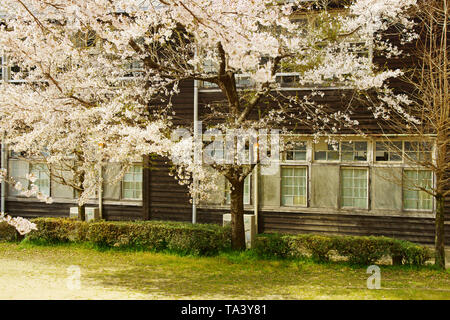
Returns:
<point x="284" y="151"/>
<point x="339" y="150"/>
<point x="11" y="160"/>
<point x="227" y="191"/>
<point x="404" y="160"/>
<point x="30" y="170"/>
<point x="433" y="181"/>
<point x="122" y="182"/>
<point x="307" y="173"/>
<point x="310" y="18"/>
<point x="361" y="168"/>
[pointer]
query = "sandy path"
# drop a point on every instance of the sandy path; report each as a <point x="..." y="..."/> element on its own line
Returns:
<point x="30" y="280"/>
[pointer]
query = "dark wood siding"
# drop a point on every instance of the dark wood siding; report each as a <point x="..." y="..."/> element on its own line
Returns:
<point x="34" y="209"/>
<point x="420" y="230"/>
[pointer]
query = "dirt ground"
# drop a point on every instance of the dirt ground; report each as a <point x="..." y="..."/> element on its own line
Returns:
<point x="44" y="273"/>
<point x="29" y="281"/>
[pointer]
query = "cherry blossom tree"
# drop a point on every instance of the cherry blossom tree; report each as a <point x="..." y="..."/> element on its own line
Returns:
<point x="23" y="226"/>
<point x="213" y="41"/>
<point x="427" y="87"/>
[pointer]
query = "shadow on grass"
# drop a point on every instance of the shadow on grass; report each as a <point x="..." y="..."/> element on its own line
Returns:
<point x="243" y="274"/>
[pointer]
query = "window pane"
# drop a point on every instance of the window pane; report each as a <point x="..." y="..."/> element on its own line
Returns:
<point x="132" y="183"/>
<point x="333" y="155"/>
<point x="320" y="155"/>
<point x="293" y="186"/>
<point x="354" y="188"/>
<point x="413" y="197"/>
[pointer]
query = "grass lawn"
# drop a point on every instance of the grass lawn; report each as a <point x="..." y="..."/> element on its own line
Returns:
<point x="40" y="272"/>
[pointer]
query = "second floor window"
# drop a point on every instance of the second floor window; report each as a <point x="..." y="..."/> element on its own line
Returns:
<point x="352" y="151"/>
<point x="403" y="151"/>
<point x="295" y="150"/>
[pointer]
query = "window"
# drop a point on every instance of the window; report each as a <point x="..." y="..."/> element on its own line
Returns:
<point x="213" y="151"/>
<point x="344" y="151"/>
<point x="295" y="151"/>
<point x="354" y="151"/>
<point x="388" y="151"/>
<point x="18" y="74"/>
<point x="247" y="190"/>
<point x="417" y="151"/>
<point x="42" y="175"/>
<point x="398" y="151"/>
<point x="19" y="169"/>
<point x="133" y="69"/>
<point x="324" y="25"/>
<point x="86" y="39"/>
<point x="132" y="183"/>
<point x="326" y="152"/>
<point x="413" y="197"/>
<point x="294" y="186"/>
<point x="2" y="66"/>
<point x="354" y="185"/>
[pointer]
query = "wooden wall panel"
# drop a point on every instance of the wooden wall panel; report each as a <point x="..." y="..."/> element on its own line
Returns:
<point x="420" y="230"/>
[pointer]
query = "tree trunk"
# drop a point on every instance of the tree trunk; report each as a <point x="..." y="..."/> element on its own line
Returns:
<point x="81" y="213"/>
<point x="439" y="234"/>
<point x="237" y="215"/>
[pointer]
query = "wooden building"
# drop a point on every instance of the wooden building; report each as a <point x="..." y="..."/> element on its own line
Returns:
<point x="315" y="189"/>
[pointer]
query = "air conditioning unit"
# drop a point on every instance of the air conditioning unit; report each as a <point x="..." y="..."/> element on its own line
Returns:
<point x="249" y="227"/>
<point x="73" y="213"/>
<point x="92" y="214"/>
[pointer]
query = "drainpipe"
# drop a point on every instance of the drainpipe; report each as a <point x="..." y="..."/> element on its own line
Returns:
<point x="255" y="197"/>
<point x="194" y="198"/>
<point x="4" y="165"/>
<point x="100" y="193"/>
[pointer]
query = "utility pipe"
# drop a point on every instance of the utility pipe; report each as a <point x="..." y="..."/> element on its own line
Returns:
<point x="4" y="165"/>
<point x="194" y="197"/>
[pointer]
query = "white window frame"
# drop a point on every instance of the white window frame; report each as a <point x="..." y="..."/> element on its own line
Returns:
<point x="227" y="193"/>
<point x="418" y="191"/>
<point x="402" y="152"/>
<point x="122" y="184"/>
<point x="30" y="170"/>
<point x="306" y="168"/>
<point x="341" y="182"/>
<point x="294" y="141"/>
<point x="339" y="151"/>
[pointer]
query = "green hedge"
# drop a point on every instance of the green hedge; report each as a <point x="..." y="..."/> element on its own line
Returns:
<point x="8" y="232"/>
<point x="199" y="239"/>
<point x="56" y="230"/>
<point x="357" y="250"/>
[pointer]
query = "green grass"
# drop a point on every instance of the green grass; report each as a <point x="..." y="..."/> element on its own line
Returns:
<point x="230" y="275"/>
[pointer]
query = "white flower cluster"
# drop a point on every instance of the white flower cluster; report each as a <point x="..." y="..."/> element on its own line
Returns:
<point x="98" y="76"/>
<point x="22" y="225"/>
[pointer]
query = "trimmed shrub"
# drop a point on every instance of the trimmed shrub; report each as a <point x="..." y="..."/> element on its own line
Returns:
<point x="318" y="246"/>
<point x="359" y="250"/>
<point x="57" y="230"/>
<point x="8" y="232"/>
<point x="185" y="238"/>
<point x="404" y="252"/>
<point x="363" y="250"/>
<point x="273" y="246"/>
